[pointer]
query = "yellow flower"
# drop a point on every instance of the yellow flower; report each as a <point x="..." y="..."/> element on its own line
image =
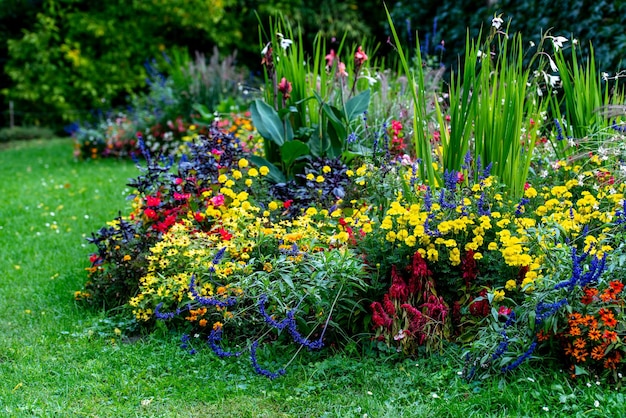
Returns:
<point x="478" y="256"/>
<point x="319" y="179"/>
<point x="248" y="182"/>
<point x="264" y="170"/>
<point x="222" y="178"/>
<point x="326" y="169"/>
<point x="391" y="236"/>
<point x="242" y="163"/>
<point x="237" y="174"/>
<point x="272" y="205"/>
<point x="498" y="295"/>
<point x="126" y="257"/>
<point x="253" y="172"/>
<point x="311" y="211"/>
<point x="310" y="177"/>
<point x="349" y="173"/>
<point x="530" y="192"/>
<point x="510" y="285"/>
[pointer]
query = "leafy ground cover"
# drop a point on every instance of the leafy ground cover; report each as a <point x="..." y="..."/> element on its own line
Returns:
<point x="58" y="359"/>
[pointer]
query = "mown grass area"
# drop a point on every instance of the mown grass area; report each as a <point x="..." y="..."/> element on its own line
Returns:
<point x="60" y="359"/>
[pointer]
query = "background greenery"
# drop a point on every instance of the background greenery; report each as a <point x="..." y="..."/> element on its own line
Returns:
<point x="61" y="60"/>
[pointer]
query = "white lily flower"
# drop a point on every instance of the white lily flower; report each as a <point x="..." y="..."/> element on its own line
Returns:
<point x="557" y="41"/>
<point x="553" y="66"/>
<point x="497" y="22"/>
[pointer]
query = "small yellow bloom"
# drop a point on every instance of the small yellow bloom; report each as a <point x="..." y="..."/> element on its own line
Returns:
<point x="127" y="257"/>
<point x="272" y="205"/>
<point x="498" y="295"/>
<point x="310" y="177"/>
<point x="326" y="169"/>
<point x="510" y="285"/>
<point x="248" y="182"/>
<point x="319" y="179"/>
<point x="237" y="174"/>
<point x="242" y="163"/>
<point x="264" y="170"/>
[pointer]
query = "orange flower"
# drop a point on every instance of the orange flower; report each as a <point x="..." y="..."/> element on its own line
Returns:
<point x="202" y="322"/>
<point x="594" y="334"/>
<point x="580" y="355"/>
<point x="610" y="321"/>
<point x="579" y="343"/>
<point x="612" y="360"/>
<point x="574" y="331"/>
<point x="617" y="286"/>
<point x="597" y="353"/>
<point x="589" y="295"/>
<point x="610" y="336"/>
<point x="543" y="336"/>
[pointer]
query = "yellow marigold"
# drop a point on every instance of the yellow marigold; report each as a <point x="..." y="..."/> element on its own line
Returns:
<point x="510" y="285"/>
<point x="242" y="163"/>
<point x="311" y="211"/>
<point x="326" y="169"/>
<point x="455" y="257"/>
<point x="530" y="192"/>
<point x="498" y="295"/>
<point x="319" y="179"/>
<point x="391" y="236"/>
<point x="222" y="178"/>
<point x="264" y="170"/>
<point x="253" y="172"/>
<point x="237" y="174"/>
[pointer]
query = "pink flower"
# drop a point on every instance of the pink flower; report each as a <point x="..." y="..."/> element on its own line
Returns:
<point x="284" y="87"/>
<point x="341" y="70"/>
<point x="359" y="57"/>
<point x="506" y="311"/>
<point x="330" y="58"/>
<point x="218" y="200"/>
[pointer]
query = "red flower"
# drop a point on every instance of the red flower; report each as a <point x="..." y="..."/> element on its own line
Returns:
<point x="151" y="214"/>
<point x="398" y="289"/>
<point x="226" y="236"/>
<point x="93" y="258"/>
<point x="153" y="201"/>
<point x="287" y="203"/>
<point x="469" y="268"/>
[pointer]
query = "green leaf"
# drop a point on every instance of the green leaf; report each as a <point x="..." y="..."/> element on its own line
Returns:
<point x="357" y="105"/>
<point x="292" y="150"/>
<point x="267" y="122"/>
<point x="275" y="175"/>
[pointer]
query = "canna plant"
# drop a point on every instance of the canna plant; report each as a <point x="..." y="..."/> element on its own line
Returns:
<point x="311" y="106"/>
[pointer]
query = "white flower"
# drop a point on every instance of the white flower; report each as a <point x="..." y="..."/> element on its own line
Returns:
<point x="532" y="44"/>
<point x="497" y="22"/>
<point x="605" y="76"/>
<point x="434" y="395"/>
<point x="557" y="41"/>
<point x="284" y="42"/>
<point x="553" y="80"/>
<point x="545" y="408"/>
<point x="553" y="66"/>
<point x="399" y="336"/>
<point x="596" y="403"/>
<point x="264" y="50"/>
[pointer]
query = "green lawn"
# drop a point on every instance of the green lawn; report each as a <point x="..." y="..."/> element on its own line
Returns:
<point x="58" y="359"/>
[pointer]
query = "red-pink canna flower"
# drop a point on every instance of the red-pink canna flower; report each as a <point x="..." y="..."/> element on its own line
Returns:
<point x="285" y="88"/>
<point x="359" y="57"/>
<point x="330" y="58"/>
